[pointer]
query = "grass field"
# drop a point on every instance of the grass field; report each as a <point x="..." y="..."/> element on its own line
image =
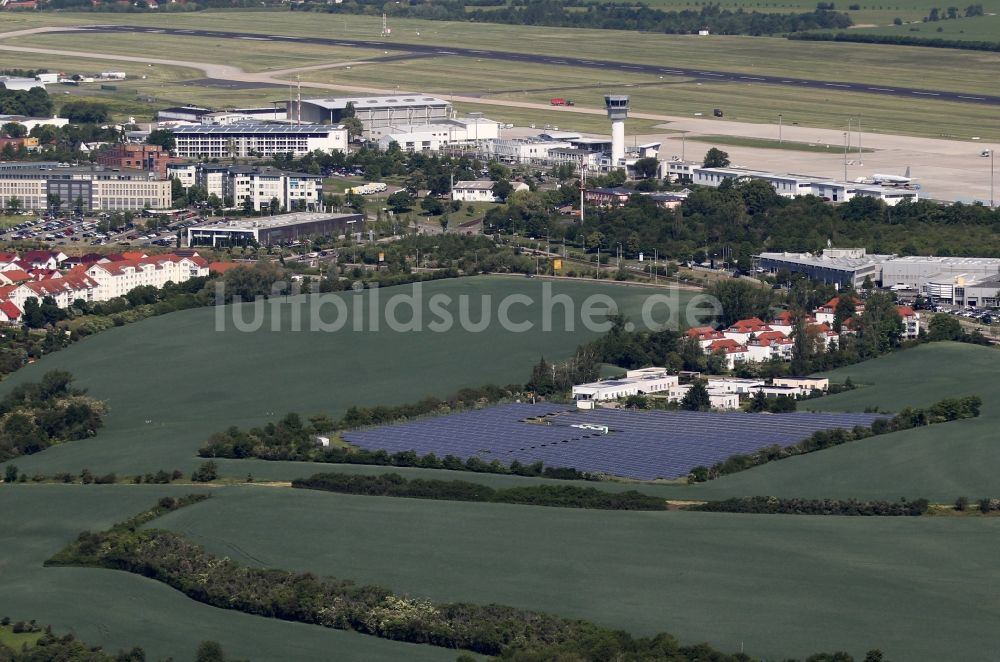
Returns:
<point x="940" y="462"/>
<point x="766" y="143"/>
<point x="904" y="66"/>
<point x="173" y="380"/>
<point x="835" y="583"/>
<point x="979" y="28"/>
<point x="16" y="640"/>
<point x="117" y="610"/>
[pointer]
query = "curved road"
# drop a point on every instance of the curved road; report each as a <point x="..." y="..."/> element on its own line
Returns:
<point x="606" y="65"/>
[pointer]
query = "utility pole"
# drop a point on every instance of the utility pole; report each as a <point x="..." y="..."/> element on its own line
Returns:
<point x="860" y="160"/>
<point x="583" y="187"/>
<point x="845" y="157"/>
<point x="654" y="267"/>
<point x="991" y="177"/>
<point x="598" y="261"/>
<point x="779" y="128"/>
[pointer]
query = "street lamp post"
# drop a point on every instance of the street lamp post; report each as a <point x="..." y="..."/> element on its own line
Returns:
<point x="845" y="156"/>
<point x="779" y="128"/>
<point x="991" y="177"/>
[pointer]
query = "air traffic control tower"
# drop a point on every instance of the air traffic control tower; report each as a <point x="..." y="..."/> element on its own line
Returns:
<point x="617" y="105"/>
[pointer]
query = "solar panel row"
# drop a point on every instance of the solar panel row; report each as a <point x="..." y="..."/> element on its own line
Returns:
<point x="642" y="445"/>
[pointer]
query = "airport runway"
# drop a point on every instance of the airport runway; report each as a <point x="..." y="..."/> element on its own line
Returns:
<point x="605" y="65"/>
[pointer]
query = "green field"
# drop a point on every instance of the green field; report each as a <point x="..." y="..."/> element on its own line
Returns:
<point x="171" y="381"/>
<point x="946" y="69"/>
<point x="767" y="143"/>
<point x="939" y="462"/>
<point x="117" y="610"/>
<point x="980" y="28"/>
<point x="834" y="582"/>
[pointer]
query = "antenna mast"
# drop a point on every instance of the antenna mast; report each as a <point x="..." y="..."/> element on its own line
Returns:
<point x="583" y="187"/>
<point x="386" y="31"/>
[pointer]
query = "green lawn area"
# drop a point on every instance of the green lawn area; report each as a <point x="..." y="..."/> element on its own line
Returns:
<point x="16" y="640"/>
<point x="173" y="380"/>
<point x="939" y="462"/>
<point x="979" y="28"/>
<point x="118" y="611"/>
<point x="846" y="583"/>
<point x="9" y="221"/>
<point x="767" y="143"/>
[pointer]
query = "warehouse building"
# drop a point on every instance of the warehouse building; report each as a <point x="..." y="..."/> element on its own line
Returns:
<point x="93" y="188"/>
<point x="273" y="230"/>
<point x="256" y="139"/>
<point x="981" y="293"/>
<point x="456" y="132"/>
<point x="839" y="266"/>
<point x="377" y="114"/>
<point x="913" y="271"/>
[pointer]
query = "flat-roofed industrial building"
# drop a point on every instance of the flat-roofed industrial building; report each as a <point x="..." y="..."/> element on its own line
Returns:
<point x="273" y="230"/>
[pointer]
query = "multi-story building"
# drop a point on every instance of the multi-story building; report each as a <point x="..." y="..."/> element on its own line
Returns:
<point x="457" y="132"/>
<point x="137" y="156"/>
<point x="118" y="278"/>
<point x="93" y="188"/>
<point x="257" y="139"/>
<point x="258" y="184"/>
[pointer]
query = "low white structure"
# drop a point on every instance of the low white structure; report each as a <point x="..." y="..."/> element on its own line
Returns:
<point x="807" y="383"/>
<point x="480" y="190"/>
<point x="792" y="185"/>
<point x="454" y="132"/>
<point x="16" y="83"/>
<point x="647" y="381"/>
<point x="717" y="398"/>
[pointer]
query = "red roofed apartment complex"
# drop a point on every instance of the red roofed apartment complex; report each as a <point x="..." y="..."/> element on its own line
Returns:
<point x="100" y="279"/>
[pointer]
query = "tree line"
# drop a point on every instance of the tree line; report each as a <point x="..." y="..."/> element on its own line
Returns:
<point x="899" y="40"/>
<point x="949" y="409"/>
<point x="36" y="415"/>
<point x="610" y="16"/>
<point x="561" y="496"/>
<point x="508" y="632"/>
<point x="769" y="505"/>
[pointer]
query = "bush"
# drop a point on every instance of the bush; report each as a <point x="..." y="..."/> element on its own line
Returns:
<point x="206" y="473"/>
<point x="962" y="504"/>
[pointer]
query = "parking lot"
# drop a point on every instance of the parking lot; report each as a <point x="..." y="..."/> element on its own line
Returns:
<point x="68" y="230"/>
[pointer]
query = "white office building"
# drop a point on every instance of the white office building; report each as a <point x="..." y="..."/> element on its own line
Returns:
<point x="255" y="139"/>
<point x="646" y="381"/>
<point x="237" y="184"/>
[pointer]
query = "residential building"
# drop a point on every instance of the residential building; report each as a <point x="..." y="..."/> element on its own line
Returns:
<point x="64" y="290"/>
<point x="136" y="156"/>
<point x="257" y="139"/>
<point x="273" y="230"/>
<point x="769" y="345"/>
<point x="118" y="278"/>
<point x="808" y="384"/>
<point x="826" y="313"/>
<point x="93" y="188"/>
<point x="706" y="335"/>
<point x="480" y="190"/>
<point x="257" y="184"/>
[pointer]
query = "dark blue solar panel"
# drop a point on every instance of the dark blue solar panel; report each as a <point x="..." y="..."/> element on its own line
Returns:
<point x="642" y="445"/>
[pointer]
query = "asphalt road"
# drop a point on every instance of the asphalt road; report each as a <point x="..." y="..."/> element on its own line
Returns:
<point x="605" y="65"/>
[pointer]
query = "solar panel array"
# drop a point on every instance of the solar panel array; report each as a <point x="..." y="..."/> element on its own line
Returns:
<point x="644" y="445"/>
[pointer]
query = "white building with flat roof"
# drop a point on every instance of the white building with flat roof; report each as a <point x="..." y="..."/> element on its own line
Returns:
<point x="456" y="132"/>
<point x="273" y="230"/>
<point x="838" y="266"/>
<point x="913" y="271"/>
<point x="792" y="185"/>
<point x="256" y="139"/>
<point x="647" y="381"/>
